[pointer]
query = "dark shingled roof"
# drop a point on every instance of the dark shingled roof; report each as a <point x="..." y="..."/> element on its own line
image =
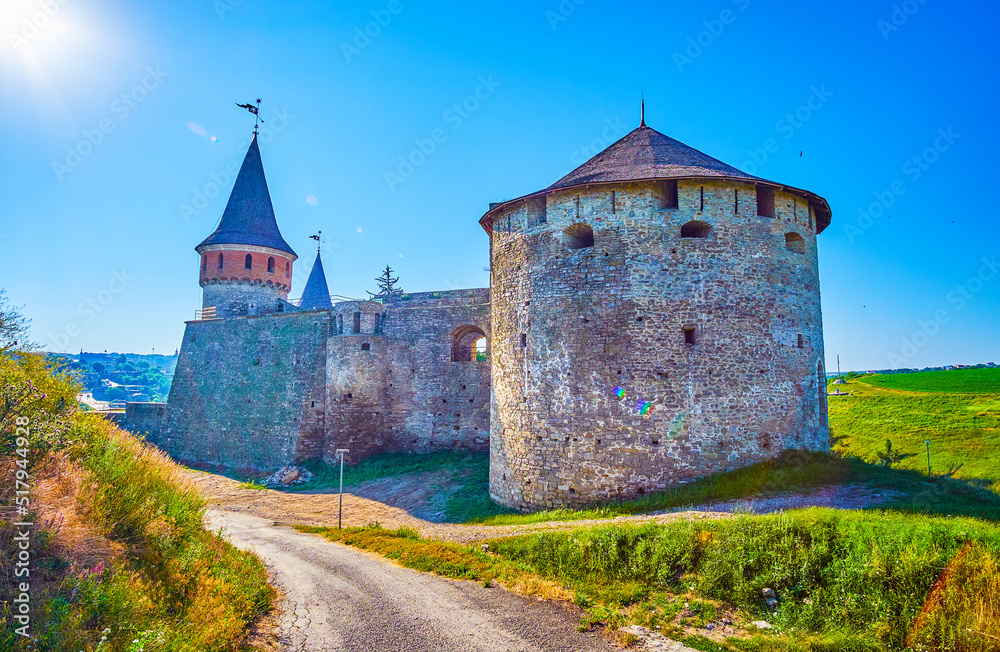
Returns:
<point x="249" y="215"/>
<point x="646" y="154"/>
<point x="316" y="296"/>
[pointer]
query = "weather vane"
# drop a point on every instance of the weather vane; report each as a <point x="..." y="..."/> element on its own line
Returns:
<point x="254" y="110"/>
<point x="316" y="238"/>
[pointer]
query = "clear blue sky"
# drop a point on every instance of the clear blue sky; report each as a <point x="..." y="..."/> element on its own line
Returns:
<point x="561" y="78"/>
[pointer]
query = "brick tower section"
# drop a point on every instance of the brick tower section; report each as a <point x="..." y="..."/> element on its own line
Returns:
<point x="244" y="279"/>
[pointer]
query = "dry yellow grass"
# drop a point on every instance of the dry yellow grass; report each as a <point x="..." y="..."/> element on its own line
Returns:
<point x="962" y="610"/>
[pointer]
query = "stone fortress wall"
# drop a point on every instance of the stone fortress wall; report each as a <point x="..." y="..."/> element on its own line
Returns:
<point x="258" y="392"/>
<point x="628" y="357"/>
<point x="652" y="318"/>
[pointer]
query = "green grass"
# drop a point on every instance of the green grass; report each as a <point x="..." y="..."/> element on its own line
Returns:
<point x="171" y="584"/>
<point x="956" y="381"/>
<point x="963" y="429"/>
<point x="845" y="580"/>
<point x="407" y="548"/>
<point x="387" y="465"/>
<point x="796" y="471"/>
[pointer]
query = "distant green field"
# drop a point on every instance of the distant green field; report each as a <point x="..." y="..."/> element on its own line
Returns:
<point x="956" y="381"/>
<point x="963" y="428"/>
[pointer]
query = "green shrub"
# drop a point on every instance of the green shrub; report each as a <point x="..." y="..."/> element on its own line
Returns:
<point x="866" y="574"/>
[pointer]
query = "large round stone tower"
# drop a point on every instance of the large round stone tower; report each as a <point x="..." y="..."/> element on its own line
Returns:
<point x="246" y="266"/>
<point x="655" y="319"/>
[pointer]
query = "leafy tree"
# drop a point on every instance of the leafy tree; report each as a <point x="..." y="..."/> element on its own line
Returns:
<point x="13" y="328"/>
<point x="386" y="284"/>
<point x="35" y="397"/>
<point x="98" y="367"/>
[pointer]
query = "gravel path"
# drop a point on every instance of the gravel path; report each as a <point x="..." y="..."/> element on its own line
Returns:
<point x="340" y="599"/>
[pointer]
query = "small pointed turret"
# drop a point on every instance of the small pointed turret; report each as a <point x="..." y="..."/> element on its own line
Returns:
<point x="316" y="296"/>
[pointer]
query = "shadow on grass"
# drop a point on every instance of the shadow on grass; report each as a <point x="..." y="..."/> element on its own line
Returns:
<point x="467" y="497"/>
<point x="799" y="471"/>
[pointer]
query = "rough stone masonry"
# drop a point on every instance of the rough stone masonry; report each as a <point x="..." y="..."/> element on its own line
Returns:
<point x="653" y="317"/>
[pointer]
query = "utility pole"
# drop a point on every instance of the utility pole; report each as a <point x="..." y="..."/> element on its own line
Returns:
<point x="340" y="511"/>
<point x="928" y="458"/>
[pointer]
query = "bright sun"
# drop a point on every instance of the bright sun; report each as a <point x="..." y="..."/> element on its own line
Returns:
<point x="50" y="49"/>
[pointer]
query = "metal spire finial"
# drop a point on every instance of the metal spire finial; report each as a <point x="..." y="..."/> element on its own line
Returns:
<point x="642" y="111"/>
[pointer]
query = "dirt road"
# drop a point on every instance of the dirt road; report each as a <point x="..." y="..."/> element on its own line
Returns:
<point x="340" y="599"/>
<point x="404" y="502"/>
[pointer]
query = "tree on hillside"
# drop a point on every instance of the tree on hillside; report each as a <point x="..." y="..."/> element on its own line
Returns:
<point x="33" y="391"/>
<point x="386" y="284"/>
<point x="13" y="328"/>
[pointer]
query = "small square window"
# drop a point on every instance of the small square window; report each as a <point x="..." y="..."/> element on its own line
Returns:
<point x="366" y="347"/>
<point x="690" y="335"/>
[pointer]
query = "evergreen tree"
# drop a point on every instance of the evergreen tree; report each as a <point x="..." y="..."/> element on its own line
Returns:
<point x="386" y="284"/>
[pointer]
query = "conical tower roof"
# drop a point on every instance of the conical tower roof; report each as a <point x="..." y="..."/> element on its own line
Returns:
<point x="316" y="296"/>
<point x="645" y="153"/>
<point x="249" y="215"/>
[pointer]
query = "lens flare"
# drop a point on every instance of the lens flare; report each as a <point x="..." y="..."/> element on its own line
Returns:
<point x="643" y="407"/>
<point x="620" y="392"/>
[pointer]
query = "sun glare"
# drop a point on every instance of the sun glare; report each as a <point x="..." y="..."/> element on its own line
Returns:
<point x="52" y="51"/>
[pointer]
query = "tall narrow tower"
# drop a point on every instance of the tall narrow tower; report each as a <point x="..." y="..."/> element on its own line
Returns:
<point x="246" y="266"/>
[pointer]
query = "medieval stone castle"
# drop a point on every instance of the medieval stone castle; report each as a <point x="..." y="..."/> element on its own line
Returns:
<point x="653" y="317"/>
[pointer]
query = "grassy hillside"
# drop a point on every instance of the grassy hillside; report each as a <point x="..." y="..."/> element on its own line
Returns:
<point x="843" y="580"/>
<point x="956" y="381"/>
<point x="120" y="559"/>
<point x="963" y="428"/>
<point x="858" y="581"/>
